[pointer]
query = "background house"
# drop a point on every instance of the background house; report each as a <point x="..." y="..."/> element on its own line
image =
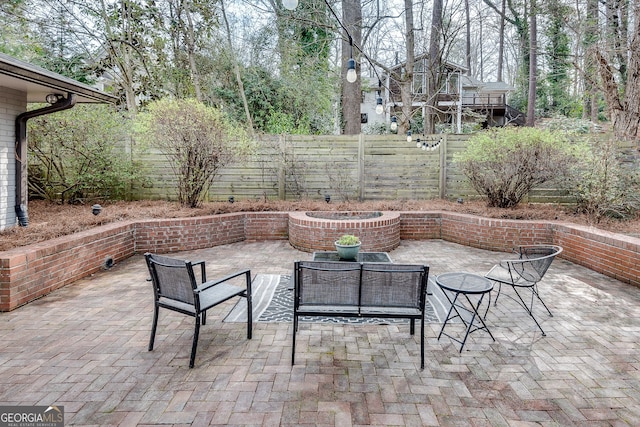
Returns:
<point x="22" y="83"/>
<point x="461" y="98"/>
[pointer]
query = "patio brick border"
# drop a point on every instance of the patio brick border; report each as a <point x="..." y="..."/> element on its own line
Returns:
<point x="29" y="272"/>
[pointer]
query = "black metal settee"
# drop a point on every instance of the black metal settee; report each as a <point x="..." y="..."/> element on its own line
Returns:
<point x="353" y="289"/>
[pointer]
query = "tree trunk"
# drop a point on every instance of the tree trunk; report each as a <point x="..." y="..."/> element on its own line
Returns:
<point x="624" y="115"/>
<point x="236" y="70"/>
<point x="468" y="44"/>
<point x="434" y="66"/>
<point x="590" y="105"/>
<point x="533" y="65"/>
<point x="501" y="41"/>
<point x="406" y="79"/>
<point x="190" y="41"/>
<point x="351" y="92"/>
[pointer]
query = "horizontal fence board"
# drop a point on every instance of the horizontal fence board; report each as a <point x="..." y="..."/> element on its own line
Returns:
<point x="375" y="167"/>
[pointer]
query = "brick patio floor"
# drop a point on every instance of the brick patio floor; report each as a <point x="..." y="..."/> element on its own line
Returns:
<point x="85" y="347"/>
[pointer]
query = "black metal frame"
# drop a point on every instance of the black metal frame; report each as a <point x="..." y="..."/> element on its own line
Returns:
<point x="357" y="310"/>
<point x="473" y="311"/>
<point x="526" y="272"/>
<point x="198" y="311"/>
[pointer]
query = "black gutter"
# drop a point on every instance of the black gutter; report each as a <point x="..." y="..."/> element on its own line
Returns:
<point x="22" y="188"/>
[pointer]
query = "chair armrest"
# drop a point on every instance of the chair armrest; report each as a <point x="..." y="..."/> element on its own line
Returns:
<point x="208" y="285"/>
<point x="203" y="273"/>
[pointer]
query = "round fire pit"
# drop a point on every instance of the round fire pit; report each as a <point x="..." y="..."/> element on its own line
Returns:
<point x="317" y="231"/>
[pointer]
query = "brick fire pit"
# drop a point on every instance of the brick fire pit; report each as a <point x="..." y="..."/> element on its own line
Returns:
<point x="317" y="231"/>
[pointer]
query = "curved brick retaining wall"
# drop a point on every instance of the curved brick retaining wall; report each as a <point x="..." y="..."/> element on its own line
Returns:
<point x="380" y="233"/>
<point x="30" y="272"/>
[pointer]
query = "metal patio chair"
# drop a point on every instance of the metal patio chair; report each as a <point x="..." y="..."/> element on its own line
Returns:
<point x="176" y="288"/>
<point x="525" y="273"/>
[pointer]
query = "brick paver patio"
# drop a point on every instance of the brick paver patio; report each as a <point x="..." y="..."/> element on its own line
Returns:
<point x="85" y="347"/>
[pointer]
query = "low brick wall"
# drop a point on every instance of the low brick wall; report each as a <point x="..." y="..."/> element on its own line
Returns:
<point x="30" y="272"/>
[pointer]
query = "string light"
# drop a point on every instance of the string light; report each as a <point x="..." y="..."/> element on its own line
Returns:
<point x="290" y="4"/>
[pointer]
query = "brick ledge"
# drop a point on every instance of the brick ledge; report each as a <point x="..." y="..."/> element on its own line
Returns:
<point x="30" y="272"/>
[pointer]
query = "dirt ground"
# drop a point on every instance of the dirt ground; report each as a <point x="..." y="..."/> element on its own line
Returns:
<point x="49" y="220"/>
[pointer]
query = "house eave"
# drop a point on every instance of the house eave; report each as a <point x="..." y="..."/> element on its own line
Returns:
<point x="38" y="82"/>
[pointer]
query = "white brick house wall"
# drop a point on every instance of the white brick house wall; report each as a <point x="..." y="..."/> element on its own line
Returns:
<point x="12" y="104"/>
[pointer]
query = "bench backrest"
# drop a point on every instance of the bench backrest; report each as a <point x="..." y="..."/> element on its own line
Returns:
<point x="393" y="285"/>
<point x="338" y="283"/>
<point x="327" y="283"/>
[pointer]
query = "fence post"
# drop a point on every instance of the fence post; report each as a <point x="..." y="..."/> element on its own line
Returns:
<point x="282" y="176"/>
<point x="361" y="167"/>
<point x="442" y="184"/>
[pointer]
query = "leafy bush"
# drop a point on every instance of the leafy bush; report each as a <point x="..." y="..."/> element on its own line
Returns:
<point x="197" y="140"/>
<point x="504" y="164"/>
<point x="79" y="154"/>
<point x="603" y="183"/>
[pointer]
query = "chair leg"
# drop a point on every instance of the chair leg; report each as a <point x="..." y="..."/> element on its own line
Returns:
<point x="293" y="347"/>
<point x="204" y="317"/>
<point x="535" y="292"/>
<point x="422" y="342"/>
<point x="153" y="327"/>
<point x="495" y="302"/>
<point x="196" y="332"/>
<point x="249" y="317"/>
<point x="529" y="309"/>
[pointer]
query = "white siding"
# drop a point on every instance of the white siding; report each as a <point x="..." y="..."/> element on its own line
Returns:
<point x="12" y="103"/>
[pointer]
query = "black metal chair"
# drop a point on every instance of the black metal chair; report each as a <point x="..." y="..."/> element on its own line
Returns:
<point x="525" y="273"/>
<point x="176" y="288"/>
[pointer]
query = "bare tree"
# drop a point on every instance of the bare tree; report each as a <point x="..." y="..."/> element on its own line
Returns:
<point x="501" y="41"/>
<point x="533" y="64"/>
<point x="406" y="73"/>
<point x="351" y="92"/>
<point x="623" y="97"/>
<point x="435" y="65"/>
<point x="590" y="106"/>
<point x="236" y="70"/>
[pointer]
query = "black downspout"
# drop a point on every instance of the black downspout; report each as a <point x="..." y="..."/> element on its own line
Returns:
<point x="22" y="189"/>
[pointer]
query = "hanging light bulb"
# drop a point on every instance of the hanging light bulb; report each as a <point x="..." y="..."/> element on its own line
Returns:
<point x="394" y="124"/>
<point x="351" y="70"/>
<point x="418" y="143"/>
<point x="409" y="139"/>
<point x="424" y="146"/>
<point x="379" y="107"/>
<point x="290" y="4"/>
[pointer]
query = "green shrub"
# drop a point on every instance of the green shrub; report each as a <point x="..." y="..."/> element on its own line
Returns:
<point x="604" y="183"/>
<point x="80" y="154"/>
<point x="504" y="164"/>
<point x="196" y="139"/>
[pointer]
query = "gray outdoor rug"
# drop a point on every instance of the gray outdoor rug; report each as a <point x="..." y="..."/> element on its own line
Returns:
<point x="273" y="302"/>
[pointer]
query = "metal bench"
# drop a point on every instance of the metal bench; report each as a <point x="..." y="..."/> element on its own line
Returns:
<point x="353" y="289"/>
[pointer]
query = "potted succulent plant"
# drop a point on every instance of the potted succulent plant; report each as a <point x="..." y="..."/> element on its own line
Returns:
<point x="348" y="246"/>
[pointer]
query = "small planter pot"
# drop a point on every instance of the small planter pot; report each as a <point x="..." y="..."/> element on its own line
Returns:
<point x="348" y="252"/>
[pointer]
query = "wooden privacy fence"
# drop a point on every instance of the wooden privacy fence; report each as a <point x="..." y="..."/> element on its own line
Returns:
<point x="345" y="167"/>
